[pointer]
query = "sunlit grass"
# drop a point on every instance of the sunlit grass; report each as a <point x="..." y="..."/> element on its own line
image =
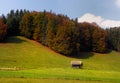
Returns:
<point x="31" y="80"/>
<point x="60" y="73"/>
<point x="32" y="60"/>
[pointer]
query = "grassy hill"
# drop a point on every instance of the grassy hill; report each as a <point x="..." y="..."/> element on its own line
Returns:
<point x="26" y="54"/>
<point x="38" y="61"/>
<point x="23" y="53"/>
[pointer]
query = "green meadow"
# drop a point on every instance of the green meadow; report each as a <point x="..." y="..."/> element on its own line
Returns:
<point x="29" y="80"/>
<point x="26" y="61"/>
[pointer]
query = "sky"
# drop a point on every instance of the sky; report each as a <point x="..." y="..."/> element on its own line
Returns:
<point x="105" y="13"/>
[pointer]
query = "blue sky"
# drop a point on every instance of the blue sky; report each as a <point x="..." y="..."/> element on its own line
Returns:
<point x="106" y="9"/>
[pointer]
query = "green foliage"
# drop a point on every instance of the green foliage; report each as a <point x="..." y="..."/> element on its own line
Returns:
<point x="40" y="24"/>
<point x="12" y="20"/>
<point x="26" y="25"/>
<point x="114" y="38"/>
<point x="4" y="19"/>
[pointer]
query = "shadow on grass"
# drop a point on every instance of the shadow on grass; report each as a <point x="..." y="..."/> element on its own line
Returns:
<point x="109" y="51"/>
<point x="83" y="55"/>
<point x="14" y="39"/>
<point x="86" y="55"/>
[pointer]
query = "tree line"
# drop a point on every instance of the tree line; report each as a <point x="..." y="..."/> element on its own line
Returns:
<point x="59" y="32"/>
<point x="114" y="38"/>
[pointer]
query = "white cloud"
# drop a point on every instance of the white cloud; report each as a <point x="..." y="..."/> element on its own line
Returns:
<point x="90" y="18"/>
<point x="110" y="23"/>
<point x="105" y="23"/>
<point x="117" y="3"/>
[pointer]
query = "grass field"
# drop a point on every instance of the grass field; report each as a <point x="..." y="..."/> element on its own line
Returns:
<point x="35" y="61"/>
<point x="28" y="80"/>
<point x="60" y="73"/>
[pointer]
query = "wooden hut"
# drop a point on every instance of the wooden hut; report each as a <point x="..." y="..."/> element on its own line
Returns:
<point x="76" y="64"/>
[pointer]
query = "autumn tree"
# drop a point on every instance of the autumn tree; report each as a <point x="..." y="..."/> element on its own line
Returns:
<point x="40" y="25"/>
<point x="91" y="37"/>
<point x="3" y="30"/>
<point x="50" y="32"/>
<point x="64" y="42"/>
<point x="62" y="34"/>
<point x="99" y="40"/>
<point x="26" y="25"/>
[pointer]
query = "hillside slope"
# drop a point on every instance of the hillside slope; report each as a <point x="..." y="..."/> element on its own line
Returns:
<point x="23" y="53"/>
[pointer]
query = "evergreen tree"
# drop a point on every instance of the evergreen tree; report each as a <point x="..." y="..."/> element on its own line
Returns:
<point x="26" y="25"/>
<point x="113" y="37"/>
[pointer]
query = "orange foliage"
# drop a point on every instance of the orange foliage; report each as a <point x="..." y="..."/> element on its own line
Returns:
<point x="3" y="29"/>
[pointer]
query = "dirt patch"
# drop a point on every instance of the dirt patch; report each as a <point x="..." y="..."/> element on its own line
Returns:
<point x="8" y="68"/>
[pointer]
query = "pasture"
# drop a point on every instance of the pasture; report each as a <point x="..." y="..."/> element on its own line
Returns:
<point x="29" y="80"/>
<point x="36" y="62"/>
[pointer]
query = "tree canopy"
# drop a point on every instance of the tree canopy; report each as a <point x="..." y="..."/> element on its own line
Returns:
<point x="59" y="32"/>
